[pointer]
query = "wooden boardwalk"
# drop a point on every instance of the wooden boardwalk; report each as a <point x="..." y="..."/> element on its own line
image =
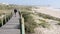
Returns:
<point x="12" y="26"/>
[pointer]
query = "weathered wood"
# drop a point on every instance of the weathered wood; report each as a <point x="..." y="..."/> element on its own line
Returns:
<point x="22" y="25"/>
<point x="12" y="26"/>
<point x="22" y="28"/>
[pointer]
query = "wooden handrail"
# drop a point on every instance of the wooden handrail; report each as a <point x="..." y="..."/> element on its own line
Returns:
<point x="22" y="24"/>
<point x="2" y="17"/>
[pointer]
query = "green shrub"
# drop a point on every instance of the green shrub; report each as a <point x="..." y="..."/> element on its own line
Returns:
<point x="29" y="21"/>
<point x="58" y="23"/>
<point x="44" y="24"/>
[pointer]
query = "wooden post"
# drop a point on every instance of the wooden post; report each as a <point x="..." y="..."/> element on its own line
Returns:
<point x="2" y="19"/>
<point x="8" y="17"/>
<point x="5" y="18"/>
<point x="23" y="28"/>
<point x="22" y="25"/>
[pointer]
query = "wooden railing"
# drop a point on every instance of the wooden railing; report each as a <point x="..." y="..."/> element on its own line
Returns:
<point x="22" y="27"/>
<point x="4" y="17"/>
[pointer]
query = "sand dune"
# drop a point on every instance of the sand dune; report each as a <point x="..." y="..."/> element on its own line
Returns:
<point x="49" y="11"/>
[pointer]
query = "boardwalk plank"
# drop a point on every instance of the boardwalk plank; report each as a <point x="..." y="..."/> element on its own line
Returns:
<point x="12" y="26"/>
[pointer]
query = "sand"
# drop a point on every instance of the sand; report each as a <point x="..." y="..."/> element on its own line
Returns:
<point x="49" y="11"/>
<point x="53" y="28"/>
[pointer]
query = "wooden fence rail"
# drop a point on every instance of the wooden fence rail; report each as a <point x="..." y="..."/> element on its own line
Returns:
<point x="22" y="28"/>
<point x="2" y="17"/>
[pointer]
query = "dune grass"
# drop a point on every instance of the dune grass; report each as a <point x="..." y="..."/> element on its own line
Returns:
<point x="29" y="20"/>
<point x="48" y="16"/>
<point x="44" y="24"/>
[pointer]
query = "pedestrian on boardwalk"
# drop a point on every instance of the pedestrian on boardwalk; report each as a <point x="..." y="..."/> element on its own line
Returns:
<point x="15" y="11"/>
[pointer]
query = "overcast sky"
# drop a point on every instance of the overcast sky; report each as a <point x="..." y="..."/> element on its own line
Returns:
<point x="53" y="3"/>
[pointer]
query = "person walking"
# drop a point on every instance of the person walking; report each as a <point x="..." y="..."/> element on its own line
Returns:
<point x="15" y="11"/>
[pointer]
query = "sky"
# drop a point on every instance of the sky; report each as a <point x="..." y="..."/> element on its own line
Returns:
<point x="53" y="3"/>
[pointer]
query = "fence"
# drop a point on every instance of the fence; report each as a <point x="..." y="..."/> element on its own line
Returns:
<point x="22" y="28"/>
<point x="4" y="18"/>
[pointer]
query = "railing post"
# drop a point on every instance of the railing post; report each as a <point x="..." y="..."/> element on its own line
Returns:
<point x="23" y="28"/>
<point x="2" y="19"/>
<point x="22" y="24"/>
<point x="5" y="18"/>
